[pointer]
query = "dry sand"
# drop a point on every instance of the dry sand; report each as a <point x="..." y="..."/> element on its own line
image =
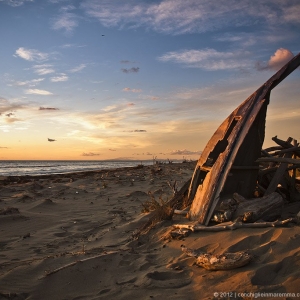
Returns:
<point x="83" y="224"/>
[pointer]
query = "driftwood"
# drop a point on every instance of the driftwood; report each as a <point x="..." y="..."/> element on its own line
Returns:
<point x="179" y="233"/>
<point x="273" y="169"/>
<point x="278" y="169"/>
<point x="273" y="148"/>
<point x="177" y="200"/>
<point x="259" y="208"/>
<point x="226" y="261"/>
<point x="293" y="149"/>
<point x="285" y="144"/>
<point x="234" y="225"/>
<point x="280" y="160"/>
<point x="156" y="216"/>
<point x="183" y="212"/>
<point x="239" y="208"/>
<point x="278" y="175"/>
<point x="236" y="143"/>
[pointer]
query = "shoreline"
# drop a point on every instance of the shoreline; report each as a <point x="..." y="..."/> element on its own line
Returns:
<point x="29" y="168"/>
<point x="9" y="178"/>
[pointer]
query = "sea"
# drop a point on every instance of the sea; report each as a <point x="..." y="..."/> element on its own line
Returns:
<point x="46" y="167"/>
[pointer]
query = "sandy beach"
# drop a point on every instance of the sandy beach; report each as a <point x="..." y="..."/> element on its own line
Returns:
<point x="71" y="237"/>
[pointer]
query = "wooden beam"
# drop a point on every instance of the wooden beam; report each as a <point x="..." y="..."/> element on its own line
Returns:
<point x="279" y="160"/>
<point x="278" y="175"/>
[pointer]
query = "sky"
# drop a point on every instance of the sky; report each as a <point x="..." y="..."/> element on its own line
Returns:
<point x="137" y="79"/>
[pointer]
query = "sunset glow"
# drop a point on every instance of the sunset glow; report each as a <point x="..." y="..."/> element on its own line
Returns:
<point x="139" y="79"/>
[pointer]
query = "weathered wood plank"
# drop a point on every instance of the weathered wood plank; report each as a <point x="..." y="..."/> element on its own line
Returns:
<point x="225" y="261"/>
<point x="258" y="208"/>
<point x="279" y="160"/>
<point x="234" y="225"/>
<point x="228" y="146"/>
<point x="286" y="144"/>
<point x="278" y="175"/>
<point x="295" y="149"/>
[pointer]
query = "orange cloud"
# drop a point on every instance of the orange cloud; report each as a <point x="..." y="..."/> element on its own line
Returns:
<point x="276" y="61"/>
<point x="127" y="89"/>
<point x="280" y="58"/>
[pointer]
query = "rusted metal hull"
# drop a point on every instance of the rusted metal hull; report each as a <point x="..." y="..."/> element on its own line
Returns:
<point x="227" y="164"/>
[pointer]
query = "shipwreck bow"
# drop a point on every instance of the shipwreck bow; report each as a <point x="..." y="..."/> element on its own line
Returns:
<point x="228" y="162"/>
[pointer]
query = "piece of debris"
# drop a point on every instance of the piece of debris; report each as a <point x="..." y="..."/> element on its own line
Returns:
<point x="180" y="233"/>
<point x="228" y="164"/>
<point x="226" y="261"/>
<point x="235" y="225"/>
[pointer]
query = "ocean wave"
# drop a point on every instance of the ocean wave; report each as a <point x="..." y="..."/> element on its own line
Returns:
<point x="21" y="168"/>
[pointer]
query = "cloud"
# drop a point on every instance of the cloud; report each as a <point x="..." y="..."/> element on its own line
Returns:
<point x="15" y="3"/>
<point x="62" y="77"/>
<point x="78" y="69"/>
<point x="32" y="82"/>
<point x="43" y="69"/>
<point x="208" y="59"/>
<point x="65" y="21"/>
<point x="48" y="108"/>
<point x="65" y="46"/>
<point x="90" y="154"/>
<point x="185" y="152"/>
<point x="3" y="147"/>
<point x="188" y="16"/>
<point x="12" y="120"/>
<point x="104" y="125"/>
<point x="276" y="61"/>
<point x="149" y="97"/>
<point x="131" y="70"/>
<point x="38" y="92"/>
<point x="67" y="7"/>
<point x="57" y="1"/>
<point x="292" y="13"/>
<point x="136" y="130"/>
<point x="31" y="54"/>
<point x="280" y="58"/>
<point x="244" y="39"/>
<point x="127" y="62"/>
<point x="8" y="106"/>
<point x="127" y="89"/>
<point x="118" y="107"/>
